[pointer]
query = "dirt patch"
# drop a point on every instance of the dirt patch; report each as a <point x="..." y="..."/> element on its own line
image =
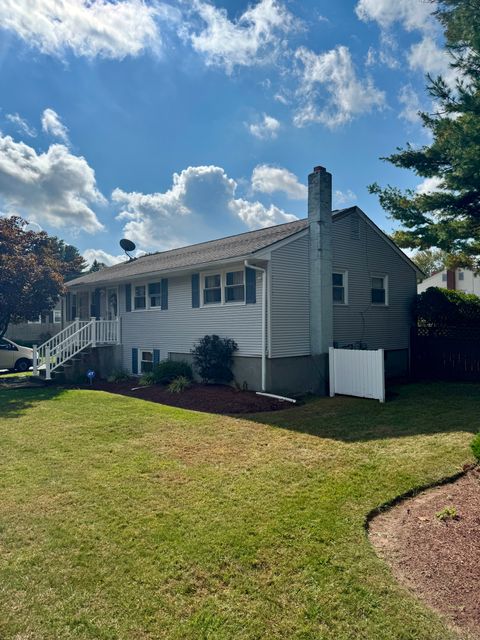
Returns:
<point x="199" y="397"/>
<point x="438" y="559"/>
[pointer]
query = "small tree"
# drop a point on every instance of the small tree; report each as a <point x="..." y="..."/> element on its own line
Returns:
<point x="213" y="358"/>
<point x="32" y="270"/>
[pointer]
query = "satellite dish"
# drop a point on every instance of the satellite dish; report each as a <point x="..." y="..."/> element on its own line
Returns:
<point x="127" y="245"/>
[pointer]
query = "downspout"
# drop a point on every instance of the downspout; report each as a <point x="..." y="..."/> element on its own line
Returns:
<point x="264" y="320"/>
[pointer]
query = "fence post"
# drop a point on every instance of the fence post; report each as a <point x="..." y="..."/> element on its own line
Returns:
<point x="35" y="360"/>
<point x="47" y="363"/>
<point x="331" y="370"/>
<point x="381" y="367"/>
<point x="93" y="321"/>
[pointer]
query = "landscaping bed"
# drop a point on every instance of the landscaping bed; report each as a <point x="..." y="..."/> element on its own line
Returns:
<point x="211" y="398"/>
<point x="432" y="543"/>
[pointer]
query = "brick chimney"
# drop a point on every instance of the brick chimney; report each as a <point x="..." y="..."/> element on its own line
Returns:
<point x="321" y="302"/>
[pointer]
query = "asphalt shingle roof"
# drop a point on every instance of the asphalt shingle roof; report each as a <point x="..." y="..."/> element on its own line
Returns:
<point x="240" y="245"/>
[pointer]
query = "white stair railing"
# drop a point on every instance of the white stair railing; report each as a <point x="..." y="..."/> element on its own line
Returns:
<point x="71" y="341"/>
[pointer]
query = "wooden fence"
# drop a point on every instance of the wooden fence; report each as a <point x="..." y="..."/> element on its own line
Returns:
<point x="451" y="353"/>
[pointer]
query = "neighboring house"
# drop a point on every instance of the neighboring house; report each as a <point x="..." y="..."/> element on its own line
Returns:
<point x="457" y="279"/>
<point x="285" y="294"/>
<point x="39" y="330"/>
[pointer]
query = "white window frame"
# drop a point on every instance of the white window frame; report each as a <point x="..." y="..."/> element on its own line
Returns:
<point x="141" y="350"/>
<point x="37" y="321"/>
<point x="134" y="286"/>
<point x="385" y="286"/>
<point x="223" y="284"/>
<point x="57" y="316"/>
<point x="147" y="307"/>
<point x="344" y="273"/>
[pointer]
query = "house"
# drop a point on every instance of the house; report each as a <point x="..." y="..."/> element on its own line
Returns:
<point x="285" y="294"/>
<point x="457" y="279"/>
<point x="39" y="330"/>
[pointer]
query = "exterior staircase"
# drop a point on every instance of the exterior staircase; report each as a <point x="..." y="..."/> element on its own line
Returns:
<point x="72" y="343"/>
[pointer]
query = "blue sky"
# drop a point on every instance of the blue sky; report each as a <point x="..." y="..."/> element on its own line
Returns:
<point x="176" y="122"/>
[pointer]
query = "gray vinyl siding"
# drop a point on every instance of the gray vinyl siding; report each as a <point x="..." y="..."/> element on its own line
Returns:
<point x="290" y="310"/>
<point x="176" y="329"/>
<point x="363" y="252"/>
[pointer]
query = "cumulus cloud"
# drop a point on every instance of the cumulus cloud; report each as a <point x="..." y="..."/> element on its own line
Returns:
<point x="250" y="40"/>
<point x="55" y="187"/>
<point x="412" y="14"/>
<point x="269" y="179"/>
<point x="52" y="124"/>
<point x="428" y="57"/>
<point x="177" y="216"/>
<point x="429" y="185"/>
<point x="87" y="28"/>
<point x="341" y="198"/>
<point x="108" y="259"/>
<point x="266" y="129"/>
<point x="410" y="102"/>
<point x="330" y="89"/>
<point x="21" y="124"/>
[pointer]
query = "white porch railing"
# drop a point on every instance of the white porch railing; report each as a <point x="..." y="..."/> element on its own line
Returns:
<point x="66" y="344"/>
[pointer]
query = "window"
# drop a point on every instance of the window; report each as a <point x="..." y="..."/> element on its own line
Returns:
<point x="36" y="321"/>
<point x="234" y="286"/>
<point x="57" y="316"/>
<point x="145" y="360"/>
<point x="73" y="306"/>
<point x="155" y="295"/>
<point x="139" y="297"/>
<point x="461" y="275"/>
<point x="444" y="277"/>
<point x="212" y="289"/>
<point x="339" y="287"/>
<point x="379" y="290"/>
<point x="5" y="345"/>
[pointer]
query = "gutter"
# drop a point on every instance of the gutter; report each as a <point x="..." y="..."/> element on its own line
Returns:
<point x="264" y="320"/>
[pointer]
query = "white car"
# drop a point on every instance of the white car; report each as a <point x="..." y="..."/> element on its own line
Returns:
<point x="14" y="356"/>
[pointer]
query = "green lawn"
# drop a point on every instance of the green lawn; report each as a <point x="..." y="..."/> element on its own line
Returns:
<point x="125" y="519"/>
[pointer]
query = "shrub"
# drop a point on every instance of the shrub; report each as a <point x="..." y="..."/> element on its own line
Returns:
<point x="447" y="513"/>
<point x="167" y="370"/>
<point x="119" y="375"/>
<point x="213" y="357"/>
<point x="179" y="384"/>
<point x="438" y="307"/>
<point x="147" y="379"/>
<point x="476" y="446"/>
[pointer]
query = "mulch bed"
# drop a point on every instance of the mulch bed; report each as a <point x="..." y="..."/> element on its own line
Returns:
<point x="199" y="397"/>
<point x="438" y="560"/>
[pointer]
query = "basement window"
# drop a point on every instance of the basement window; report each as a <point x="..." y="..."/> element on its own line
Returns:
<point x="212" y="289"/>
<point x="339" y="287"/>
<point x="234" y="286"/>
<point x="145" y="360"/>
<point x="379" y="290"/>
<point x="139" y="297"/>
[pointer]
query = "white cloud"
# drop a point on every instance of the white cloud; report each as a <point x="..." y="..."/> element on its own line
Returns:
<point x="341" y="198"/>
<point x="21" y="124"/>
<point x="266" y="129"/>
<point x="429" y="185"/>
<point x="55" y="187"/>
<point x="178" y="215"/>
<point x="428" y="57"/>
<point x="84" y="27"/>
<point x="330" y="89"/>
<point x="91" y="255"/>
<point x="268" y="179"/>
<point x="250" y="40"/>
<point x="412" y="14"/>
<point x="410" y="102"/>
<point x="52" y="124"/>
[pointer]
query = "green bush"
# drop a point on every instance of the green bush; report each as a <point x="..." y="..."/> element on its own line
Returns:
<point x="167" y="370"/>
<point x="179" y="384"/>
<point x="213" y="358"/>
<point x="119" y="375"/>
<point x="438" y="307"/>
<point x="147" y="379"/>
<point x="476" y="446"/>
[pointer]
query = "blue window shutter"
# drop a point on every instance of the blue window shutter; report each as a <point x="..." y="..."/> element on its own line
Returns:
<point x="250" y="286"/>
<point x="128" y="297"/>
<point x="156" y="356"/>
<point x="164" y="293"/>
<point x="195" y="289"/>
<point x="134" y="359"/>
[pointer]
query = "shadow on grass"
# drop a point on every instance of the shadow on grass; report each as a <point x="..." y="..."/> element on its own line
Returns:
<point x="16" y="402"/>
<point x="411" y="409"/>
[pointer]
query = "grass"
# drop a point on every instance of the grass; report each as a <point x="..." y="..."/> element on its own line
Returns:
<point x="123" y="519"/>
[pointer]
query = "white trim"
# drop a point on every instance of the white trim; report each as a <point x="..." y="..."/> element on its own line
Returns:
<point x="144" y="283"/>
<point x="377" y="274"/>
<point x="59" y="316"/>
<point x="223" y="283"/>
<point x="139" y="359"/>
<point x="344" y="274"/>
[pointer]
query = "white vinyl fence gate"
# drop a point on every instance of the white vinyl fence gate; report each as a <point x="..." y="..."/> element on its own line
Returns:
<point x="357" y="372"/>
